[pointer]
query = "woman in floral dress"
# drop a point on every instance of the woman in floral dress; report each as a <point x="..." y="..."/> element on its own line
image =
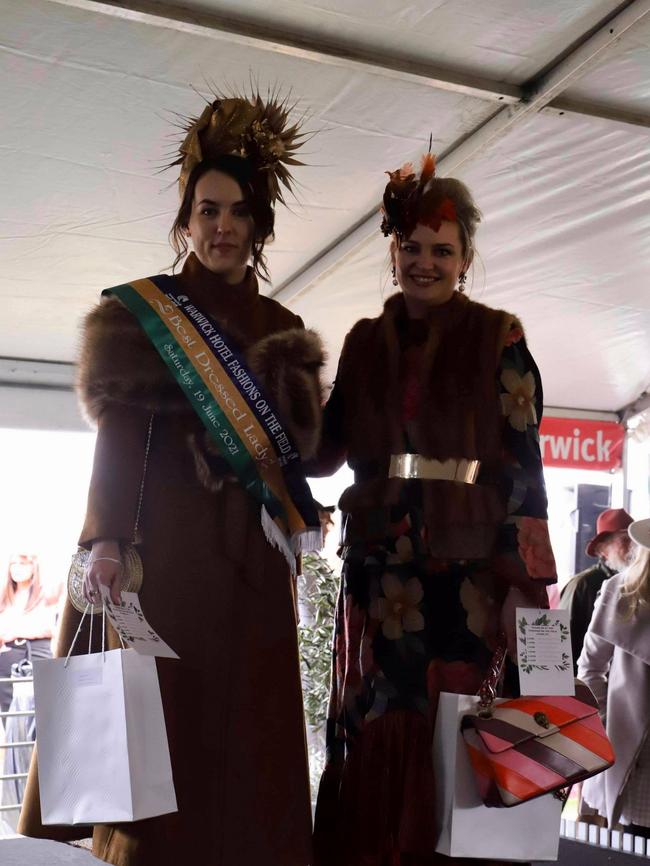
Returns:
<point x="436" y="408"/>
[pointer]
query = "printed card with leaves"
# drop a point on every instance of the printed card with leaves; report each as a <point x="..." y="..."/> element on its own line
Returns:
<point x="130" y="623"/>
<point x="544" y="652"/>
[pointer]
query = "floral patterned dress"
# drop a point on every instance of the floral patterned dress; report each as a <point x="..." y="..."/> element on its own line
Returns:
<point x="408" y="627"/>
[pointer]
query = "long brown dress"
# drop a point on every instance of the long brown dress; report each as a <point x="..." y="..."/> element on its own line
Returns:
<point x="214" y="589"/>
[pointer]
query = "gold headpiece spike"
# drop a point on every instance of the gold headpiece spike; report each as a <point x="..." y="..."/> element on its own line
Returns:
<point x="250" y="127"/>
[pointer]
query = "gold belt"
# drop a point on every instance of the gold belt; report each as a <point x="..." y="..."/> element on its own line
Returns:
<point x="417" y="466"/>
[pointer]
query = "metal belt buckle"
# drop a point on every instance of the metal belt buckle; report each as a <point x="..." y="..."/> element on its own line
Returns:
<point x="417" y="466"/>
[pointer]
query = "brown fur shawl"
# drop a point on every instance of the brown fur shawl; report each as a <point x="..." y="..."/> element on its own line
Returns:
<point x="118" y="365"/>
<point x="458" y="416"/>
<point x="459" y="412"/>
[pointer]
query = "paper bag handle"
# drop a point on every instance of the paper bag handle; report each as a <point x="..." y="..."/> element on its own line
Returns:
<point x="81" y="622"/>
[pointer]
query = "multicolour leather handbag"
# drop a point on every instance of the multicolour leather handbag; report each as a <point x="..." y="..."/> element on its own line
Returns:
<point x="529" y="746"/>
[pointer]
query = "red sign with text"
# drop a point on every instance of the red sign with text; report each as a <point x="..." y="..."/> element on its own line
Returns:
<point x="579" y="444"/>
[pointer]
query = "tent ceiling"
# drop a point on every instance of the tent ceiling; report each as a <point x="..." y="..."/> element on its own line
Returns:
<point x="622" y="78"/>
<point x="500" y="39"/>
<point x="88" y="91"/>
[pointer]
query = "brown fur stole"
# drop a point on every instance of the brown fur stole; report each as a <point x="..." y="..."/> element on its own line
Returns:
<point x="119" y="366"/>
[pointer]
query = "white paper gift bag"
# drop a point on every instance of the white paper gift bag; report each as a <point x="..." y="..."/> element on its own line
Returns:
<point x="468" y="828"/>
<point x="103" y="754"/>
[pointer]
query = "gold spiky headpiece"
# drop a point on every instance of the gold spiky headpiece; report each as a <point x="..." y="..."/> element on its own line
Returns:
<point x="250" y="127"/>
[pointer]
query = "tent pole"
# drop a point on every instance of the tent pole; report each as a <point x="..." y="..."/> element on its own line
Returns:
<point x="627" y="493"/>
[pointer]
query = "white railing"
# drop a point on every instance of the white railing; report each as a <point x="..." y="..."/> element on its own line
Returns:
<point x="601" y="837"/>
<point x="13" y="807"/>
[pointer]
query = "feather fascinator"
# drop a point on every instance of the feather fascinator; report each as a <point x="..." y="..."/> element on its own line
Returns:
<point x="410" y="199"/>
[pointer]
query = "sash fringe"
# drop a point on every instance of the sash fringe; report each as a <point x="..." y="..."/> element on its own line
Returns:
<point x="301" y="542"/>
<point x="306" y="541"/>
<point x="276" y="538"/>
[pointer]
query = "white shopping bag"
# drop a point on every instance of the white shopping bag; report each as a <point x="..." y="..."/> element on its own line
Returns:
<point x="103" y="755"/>
<point x="466" y="827"/>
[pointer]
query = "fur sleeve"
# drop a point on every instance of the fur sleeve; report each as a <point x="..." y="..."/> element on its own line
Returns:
<point x="288" y="365"/>
<point x="117" y="365"/>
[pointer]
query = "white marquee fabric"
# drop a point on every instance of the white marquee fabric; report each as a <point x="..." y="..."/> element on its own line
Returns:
<point x="87" y="100"/>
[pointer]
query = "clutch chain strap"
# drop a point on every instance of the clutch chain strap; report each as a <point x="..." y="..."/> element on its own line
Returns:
<point x="488" y="691"/>
<point x="129" y="556"/>
<point x="144" y="474"/>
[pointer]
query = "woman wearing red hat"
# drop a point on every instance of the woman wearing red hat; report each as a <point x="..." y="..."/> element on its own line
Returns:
<point x="613" y="547"/>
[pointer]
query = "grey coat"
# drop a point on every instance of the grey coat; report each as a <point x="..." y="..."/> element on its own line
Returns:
<point x="615" y="664"/>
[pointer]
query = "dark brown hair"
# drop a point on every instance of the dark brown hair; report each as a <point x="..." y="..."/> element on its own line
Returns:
<point x="8" y="591"/>
<point x="263" y="216"/>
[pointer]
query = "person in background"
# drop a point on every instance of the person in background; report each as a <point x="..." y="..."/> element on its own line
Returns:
<point x="615" y="664"/>
<point x="27" y="619"/>
<point x="613" y="547"/>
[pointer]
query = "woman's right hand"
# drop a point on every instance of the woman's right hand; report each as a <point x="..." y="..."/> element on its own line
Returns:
<point x="105" y="567"/>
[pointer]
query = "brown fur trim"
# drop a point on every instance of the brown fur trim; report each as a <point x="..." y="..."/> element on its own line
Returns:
<point x="287" y="365"/>
<point x="458" y="413"/>
<point x="198" y="445"/>
<point x="118" y="365"/>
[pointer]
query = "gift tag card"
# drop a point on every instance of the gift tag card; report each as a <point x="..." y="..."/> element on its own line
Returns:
<point x="130" y="623"/>
<point x="544" y="652"/>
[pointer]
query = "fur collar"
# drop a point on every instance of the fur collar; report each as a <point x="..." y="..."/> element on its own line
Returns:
<point x="118" y="365"/>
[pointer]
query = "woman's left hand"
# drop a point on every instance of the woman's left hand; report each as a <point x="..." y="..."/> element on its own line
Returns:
<point x="105" y="567"/>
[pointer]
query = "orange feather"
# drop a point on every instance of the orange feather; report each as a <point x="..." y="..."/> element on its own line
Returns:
<point x="428" y="167"/>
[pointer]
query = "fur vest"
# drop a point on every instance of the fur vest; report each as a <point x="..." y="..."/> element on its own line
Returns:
<point x="118" y="366"/>
<point x="458" y="416"/>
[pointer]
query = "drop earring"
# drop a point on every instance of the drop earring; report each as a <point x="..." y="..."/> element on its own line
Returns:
<point x="462" y="279"/>
<point x="394" y="276"/>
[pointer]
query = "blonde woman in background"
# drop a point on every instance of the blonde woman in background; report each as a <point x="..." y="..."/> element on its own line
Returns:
<point x="27" y="619"/>
<point x="615" y="664"/>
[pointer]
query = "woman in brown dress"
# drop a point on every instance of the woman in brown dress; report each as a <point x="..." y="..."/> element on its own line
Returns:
<point x="214" y="588"/>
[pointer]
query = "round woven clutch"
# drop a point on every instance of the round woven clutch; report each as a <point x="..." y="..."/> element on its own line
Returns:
<point x="131" y="581"/>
